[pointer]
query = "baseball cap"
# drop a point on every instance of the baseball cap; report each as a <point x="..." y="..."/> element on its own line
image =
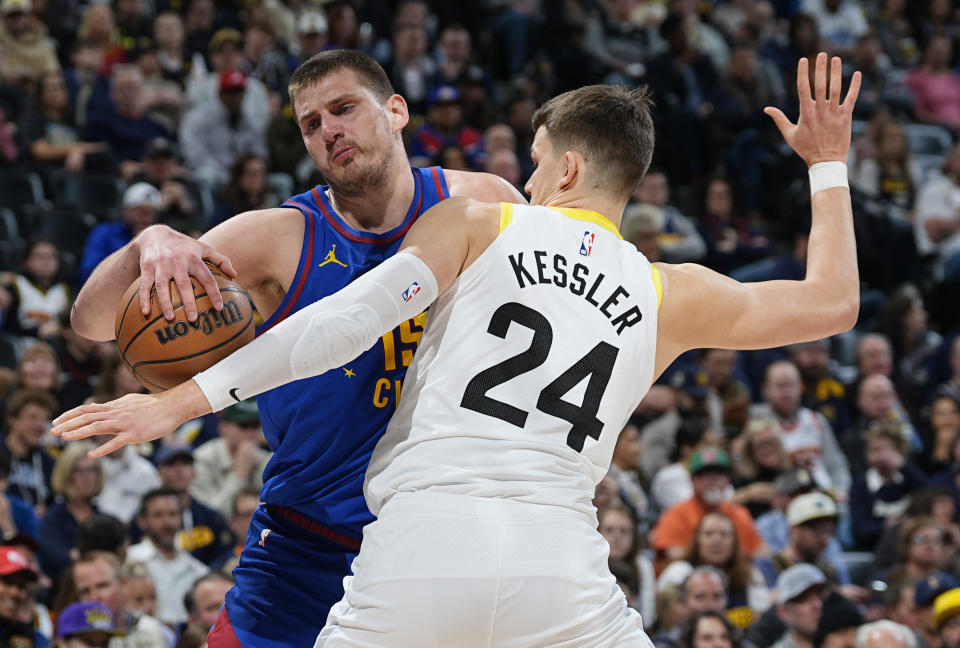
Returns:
<point x="796" y="580"/>
<point x="245" y="411"/>
<point x="811" y="506"/>
<point x="13" y="561"/>
<point x="443" y="93"/>
<point x="933" y="586"/>
<point x="793" y="481"/>
<point x="311" y="22"/>
<point x="14" y="6"/>
<point x="86" y="616"/>
<point x="169" y="452"/>
<point x="141" y="193"/>
<point x="946" y="606"/>
<point x="232" y="80"/>
<point x="840" y="614"/>
<point x="691" y="379"/>
<point x="160" y="147"/>
<point x="705" y="458"/>
<point x="225" y="36"/>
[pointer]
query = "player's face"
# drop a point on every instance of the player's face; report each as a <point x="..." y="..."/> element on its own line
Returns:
<point x="352" y="137"/>
<point x="550" y="167"/>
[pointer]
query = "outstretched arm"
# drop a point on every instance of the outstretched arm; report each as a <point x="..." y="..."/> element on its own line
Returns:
<point x="316" y="339"/>
<point x="703" y="309"/>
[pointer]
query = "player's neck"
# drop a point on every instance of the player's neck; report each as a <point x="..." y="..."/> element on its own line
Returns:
<point x="609" y="208"/>
<point x="380" y="209"/>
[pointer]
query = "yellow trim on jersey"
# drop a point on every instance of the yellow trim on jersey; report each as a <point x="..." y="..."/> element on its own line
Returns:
<point x="657" y="283"/>
<point x="506" y="215"/>
<point x="590" y="217"/>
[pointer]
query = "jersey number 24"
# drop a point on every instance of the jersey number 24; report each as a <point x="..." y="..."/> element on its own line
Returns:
<point x="597" y="364"/>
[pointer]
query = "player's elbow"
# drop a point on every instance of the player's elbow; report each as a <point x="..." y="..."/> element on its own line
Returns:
<point x="83" y="321"/>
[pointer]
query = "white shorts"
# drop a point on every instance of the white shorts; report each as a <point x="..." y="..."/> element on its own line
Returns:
<point x="444" y="571"/>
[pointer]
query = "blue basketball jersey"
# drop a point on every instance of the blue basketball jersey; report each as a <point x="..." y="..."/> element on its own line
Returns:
<point x="322" y="430"/>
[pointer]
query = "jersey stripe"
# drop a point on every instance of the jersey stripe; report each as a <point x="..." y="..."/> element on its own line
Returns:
<point x="307" y="264"/>
<point x="436" y="181"/>
<point x="372" y="240"/>
<point x="657" y="283"/>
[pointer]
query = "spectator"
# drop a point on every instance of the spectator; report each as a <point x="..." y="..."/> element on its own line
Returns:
<point x="86" y="82"/>
<point x="885" y="634"/>
<point x="180" y="202"/>
<point x="732" y="240"/>
<point x="169" y="36"/>
<point x="921" y="552"/>
<point x="715" y="543"/>
<point x="36" y="297"/>
<point x="27" y="51"/>
<point x="925" y="595"/>
<point x="344" y="28"/>
<point x="444" y="125"/>
<point x="938" y="455"/>
<point x="618" y="45"/>
<point x="215" y="133"/>
<point x="807" y="436"/>
<point x="97" y="578"/>
<point x="889" y="176"/>
<point x="813" y="522"/>
<point x="838" y="625"/>
<point x="937" y="219"/>
<point x="881" y="495"/>
<point x="50" y="135"/>
<point x="98" y="26"/>
<point x="800" y="593"/>
<point x="81" y="625"/>
<point x="410" y="67"/>
<point x="710" y="474"/>
<point x="226" y="55"/>
<point x="758" y="465"/>
<point x="198" y="25"/>
<point x="877" y="403"/>
<point x="80" y="360"/>
<point x="704" y="589"/>
<point x="951" y="388"/>
<point x="672" y="484"/>
<point x="642" y="225"/>
<point x="232" y="462"/>
<point x="505" y="164"/>
<point x="728" y="397"/>
<point x="618" y="526"/>
<point x="173" y="570"/>
<point x="935" y="86"/>
<point x="623" y="468"/>
<point x="822" y="390"/>
<point x="895" y="32"/>
<point x="312" y="34"/>
<point x="103" y="532"/>
<point x="28" y="416"/>
<point x="899" y="603"/>
<point x="241" y="512"/>
<point x="140" y="204"/>
<point x="162" y="99"/>
<point x="133" y="22"/>
<point x="16" y="516"/>
<point x="905" y="322"/>
<point x="710" y="630"/>
<point x="840" y="23"/>
<point x="680" y="241"/>
<point x="76" y="480"/>
<point x="246" y="190"/>
<point x="264" y="60"/>
<point x="139" y="591"/>
<point x="16" y="578"/>
<point x="205" y="532"/>
<point x="205" y="598"/>
<point x="123" y="123"/>
<point x="39" y="370"/>
<point x="947" y="613"/>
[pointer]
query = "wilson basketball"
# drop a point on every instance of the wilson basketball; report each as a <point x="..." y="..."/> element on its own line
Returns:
<point x="163" y="354"/>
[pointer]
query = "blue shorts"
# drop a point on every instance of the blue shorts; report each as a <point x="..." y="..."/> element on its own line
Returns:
<point x="290" y="574"/>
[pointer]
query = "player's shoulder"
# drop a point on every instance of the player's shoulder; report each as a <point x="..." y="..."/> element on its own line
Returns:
<point x="483" y="186"/>
<point x="249" y="227"/>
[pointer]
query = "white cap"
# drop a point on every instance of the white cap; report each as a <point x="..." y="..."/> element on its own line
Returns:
<point x="142" y="193"/>
<point x="311" y="22"/>
<point x="811" y="506"/>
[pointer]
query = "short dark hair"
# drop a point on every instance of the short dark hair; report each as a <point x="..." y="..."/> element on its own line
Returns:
<point x="102" y="532"/>
<point x="156" y="493"/>
<point x="689" y="630"/>
<point x="190" y="600"/>
<point x="321" y="65"/>
<point x="611" y="126"/>
<point x="23" y="397"/>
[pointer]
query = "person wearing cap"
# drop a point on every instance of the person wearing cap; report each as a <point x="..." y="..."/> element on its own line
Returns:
<point x="800" y="593"/>
<point x="173" y="569"/>
<point x="838" y="624"/>
<point x="822" y="391"/>
<point x="86" y="625"/>
<point x="226" y="54"/>
<point x="710" y="474"/>
<point x="671" y="484"/>
<point x="946" y="611"/>
<point x="27" y="50"/>
<point x="17" y="578"/>
<point x="179" y="195"/>
<point x="680" y="242"/>
<point x="232" y="462"/>
<point x="807" y="435"/>
<point x="444" y="126"/>
<point x="692" y="387"/>
<point x="140" y="203"/>
<point x="312" y="34"/>
<point x="205" y="533"/>
<point x="925" y="594"/>
<point x="214" y="133"/>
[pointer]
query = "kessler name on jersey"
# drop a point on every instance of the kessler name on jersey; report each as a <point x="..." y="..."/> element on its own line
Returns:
<point x="576" y="280"/>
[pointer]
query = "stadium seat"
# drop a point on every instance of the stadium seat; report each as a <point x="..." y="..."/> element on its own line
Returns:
<point x="859" y="564"/>
<point x="97" y="194"/>
<point x="67" y="227"/>
<point x="929" y="165"/>
<point x="9" y="351"/>
<point x="927" y="139"/>
<point x="20" y="189"/>
<point x="11" y="243"/>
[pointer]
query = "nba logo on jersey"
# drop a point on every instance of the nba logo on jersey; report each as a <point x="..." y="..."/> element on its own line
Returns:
<point x="411" y="292"/>
<point x="586" y="245"/>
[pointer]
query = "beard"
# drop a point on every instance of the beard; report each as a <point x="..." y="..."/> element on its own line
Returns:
<point x="358" y="179"/>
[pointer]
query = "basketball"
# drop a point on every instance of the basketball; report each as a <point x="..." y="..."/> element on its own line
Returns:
<point x="163" y="354"/>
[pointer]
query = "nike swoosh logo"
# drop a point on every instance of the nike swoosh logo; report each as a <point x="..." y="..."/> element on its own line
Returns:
<point x="233" y="393"/>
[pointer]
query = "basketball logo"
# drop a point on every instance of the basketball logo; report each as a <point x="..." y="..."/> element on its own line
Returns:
<point x="586" y="244"/>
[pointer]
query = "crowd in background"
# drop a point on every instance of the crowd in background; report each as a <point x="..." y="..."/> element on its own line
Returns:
<point x="768" y="498"/>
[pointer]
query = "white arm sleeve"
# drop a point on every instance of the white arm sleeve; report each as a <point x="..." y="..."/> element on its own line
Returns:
<point x="326" y="334"/>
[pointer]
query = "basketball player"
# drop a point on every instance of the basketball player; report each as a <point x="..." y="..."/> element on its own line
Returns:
<point x="545" y="331"/>
<point x="321" y="430"/>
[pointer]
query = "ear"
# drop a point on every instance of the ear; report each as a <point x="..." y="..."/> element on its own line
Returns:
<point x="397" y="106"/>
<point x="573" y="164"/>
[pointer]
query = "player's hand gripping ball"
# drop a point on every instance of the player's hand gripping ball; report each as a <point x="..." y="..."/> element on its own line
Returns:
<point x="163" y="354"/>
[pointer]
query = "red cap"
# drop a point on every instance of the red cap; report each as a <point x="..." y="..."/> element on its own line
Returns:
<point x="233" y="80"/>
<point x="12" y="560"/>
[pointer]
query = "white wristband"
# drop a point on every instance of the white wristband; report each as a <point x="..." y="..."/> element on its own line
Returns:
<point x="827" y="175"/>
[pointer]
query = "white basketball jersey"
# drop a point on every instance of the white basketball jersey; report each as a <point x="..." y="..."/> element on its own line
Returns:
<point x="529" y="367"/>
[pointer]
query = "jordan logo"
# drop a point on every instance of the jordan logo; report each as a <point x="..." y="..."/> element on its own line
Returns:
<point x="332" y="258"/>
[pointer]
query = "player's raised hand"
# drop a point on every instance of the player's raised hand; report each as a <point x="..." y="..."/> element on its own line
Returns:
<point x="166" y="254"/>
<point x="822" y="132"/>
